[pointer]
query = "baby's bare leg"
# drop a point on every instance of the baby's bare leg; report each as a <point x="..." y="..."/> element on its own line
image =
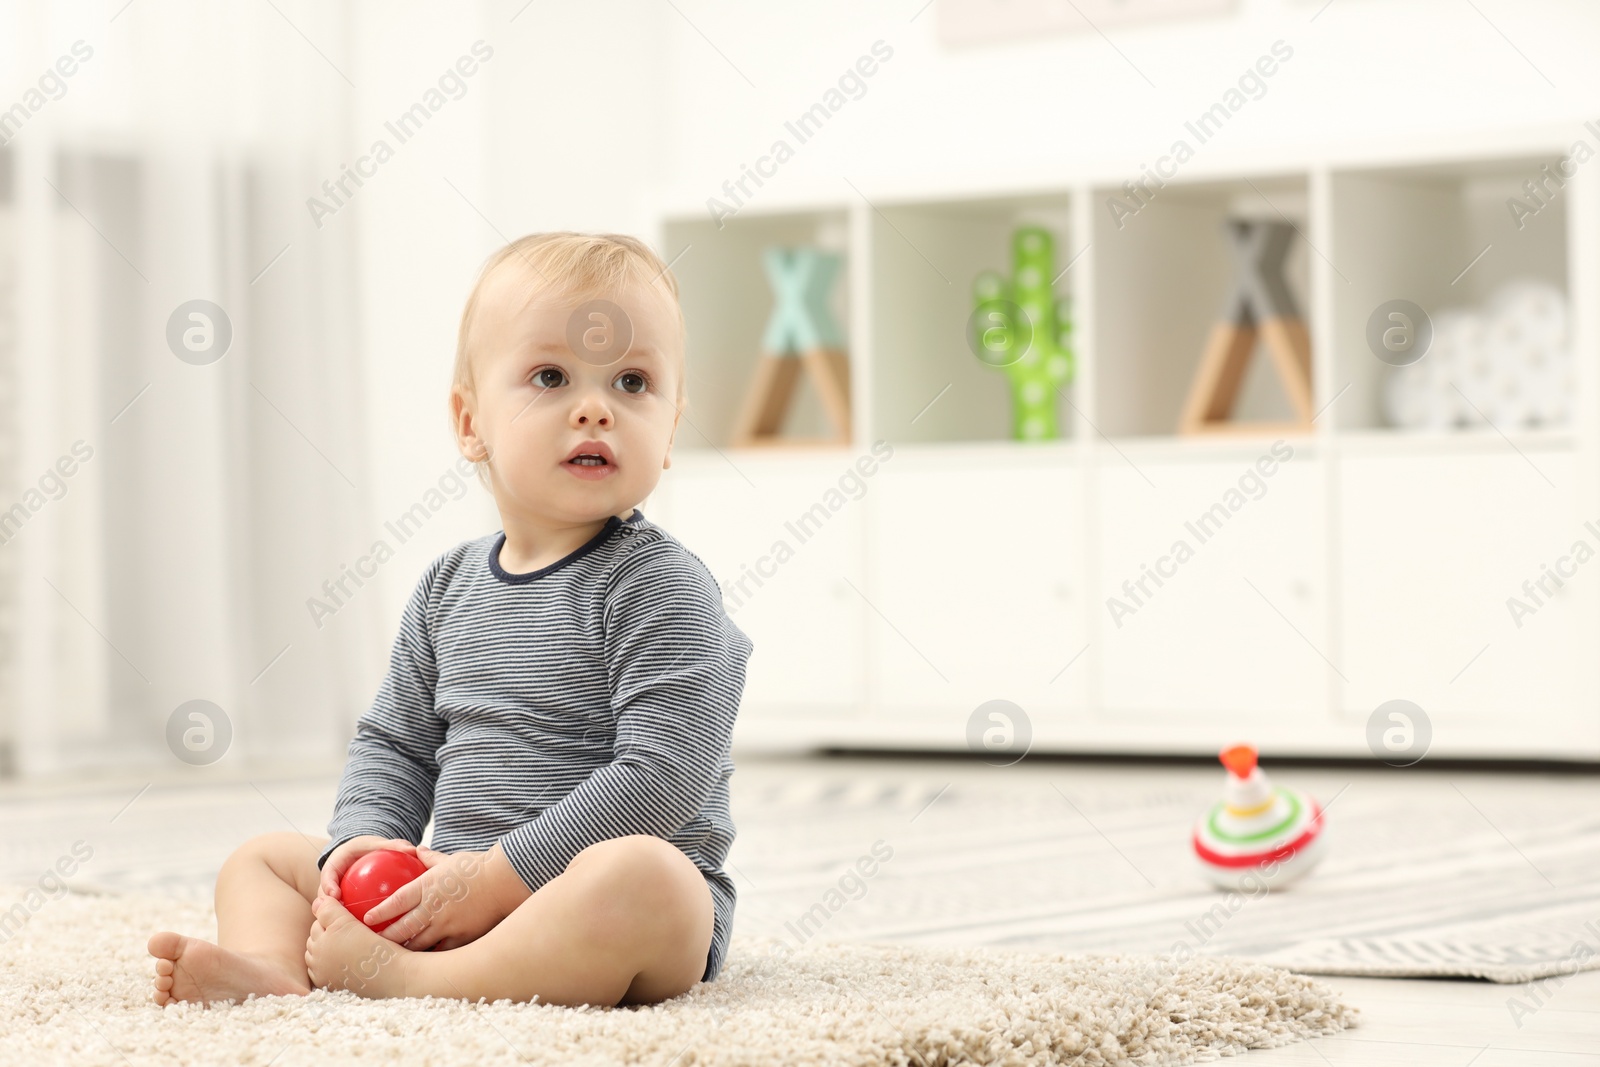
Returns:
<point x="264" y="895"/>
<point x="263" y="903"/>
<point x="629" y="921"/>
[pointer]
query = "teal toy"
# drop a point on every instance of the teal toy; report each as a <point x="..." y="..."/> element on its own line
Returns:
<point x="1019" y="327"/>
<point x="801" y="279"/>
<point x="801" y="334"/>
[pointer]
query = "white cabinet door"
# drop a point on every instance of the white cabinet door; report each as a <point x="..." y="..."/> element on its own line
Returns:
<point x="783" y="538"/>
<point x="973" y="570"/>
<point x="1436" y="551"/>
<point x="1209" y="598"/>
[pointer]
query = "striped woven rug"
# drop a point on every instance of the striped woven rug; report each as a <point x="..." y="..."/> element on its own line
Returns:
<point x="1428" y="873"/>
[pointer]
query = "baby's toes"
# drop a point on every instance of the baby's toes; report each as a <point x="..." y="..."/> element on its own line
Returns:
<point x="329" y="910"/>
<point x="318" y="968"/>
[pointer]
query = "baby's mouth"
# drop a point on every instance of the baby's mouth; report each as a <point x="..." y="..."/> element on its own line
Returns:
<point x="588" y="461"/>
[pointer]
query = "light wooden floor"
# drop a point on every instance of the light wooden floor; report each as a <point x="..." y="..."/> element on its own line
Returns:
<point x="802" y="821"/>
<point x="1452" y="1024"/>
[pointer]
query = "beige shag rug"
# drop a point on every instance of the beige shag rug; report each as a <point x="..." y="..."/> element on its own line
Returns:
<point x="75" y="984"/>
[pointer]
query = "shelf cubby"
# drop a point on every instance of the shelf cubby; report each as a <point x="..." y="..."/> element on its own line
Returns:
<point x="928" y="385"/>
<point x="727" y="301"/>
<point x="1161" y="278"/>
<point x="1442" y="236"/>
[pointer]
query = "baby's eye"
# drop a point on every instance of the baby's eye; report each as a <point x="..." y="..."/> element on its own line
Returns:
<point x="540" y="379"/>
<point x="632" y="382"/>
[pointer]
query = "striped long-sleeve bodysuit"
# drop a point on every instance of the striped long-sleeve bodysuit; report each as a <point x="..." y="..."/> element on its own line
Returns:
<point x="586" y="700"/>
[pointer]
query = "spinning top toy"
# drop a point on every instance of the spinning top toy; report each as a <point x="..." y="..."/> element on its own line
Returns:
<point x="1258" y="834"/>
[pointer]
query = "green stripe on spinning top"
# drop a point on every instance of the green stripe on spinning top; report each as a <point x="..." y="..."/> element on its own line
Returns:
<point x="1244" y="839"/>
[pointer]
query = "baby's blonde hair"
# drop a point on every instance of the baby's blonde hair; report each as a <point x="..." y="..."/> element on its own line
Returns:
<point x="567" y="264"/>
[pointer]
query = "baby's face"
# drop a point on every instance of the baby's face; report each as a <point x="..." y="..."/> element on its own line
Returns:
<point x="555" y="377"/>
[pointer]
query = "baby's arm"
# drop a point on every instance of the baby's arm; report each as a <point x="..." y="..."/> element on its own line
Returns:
<point x="677" y="665"/>
<point x="387" y="787"/>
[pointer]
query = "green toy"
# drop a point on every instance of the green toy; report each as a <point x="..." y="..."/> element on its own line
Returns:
<point x="1021" y="328"/>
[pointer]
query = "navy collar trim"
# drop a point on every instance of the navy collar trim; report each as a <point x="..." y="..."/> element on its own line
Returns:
<point x="612" y="525"/>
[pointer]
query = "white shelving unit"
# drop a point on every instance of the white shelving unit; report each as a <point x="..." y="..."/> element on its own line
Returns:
<point x="1372" y="564"/>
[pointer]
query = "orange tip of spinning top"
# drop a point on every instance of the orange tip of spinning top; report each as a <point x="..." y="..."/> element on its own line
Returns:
<point x="1240" y="759"/>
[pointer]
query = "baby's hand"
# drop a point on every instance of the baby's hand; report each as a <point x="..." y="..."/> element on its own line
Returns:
<point x="341" y="859"/>
<point x="444" y="908"/>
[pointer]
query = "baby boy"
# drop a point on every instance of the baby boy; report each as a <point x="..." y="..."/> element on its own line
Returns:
<point x="559" y="699"/>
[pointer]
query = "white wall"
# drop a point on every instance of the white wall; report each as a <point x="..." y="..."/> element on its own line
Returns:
<point x="562" y="128"/>
<point x="1363" y="72"/>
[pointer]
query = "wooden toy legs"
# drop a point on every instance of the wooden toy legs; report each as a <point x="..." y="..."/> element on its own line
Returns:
<point x="1260" y="305"/>
<point x="765" y="405"/>
<point x="1221" y="373"/>
<point x="801" y="334"/>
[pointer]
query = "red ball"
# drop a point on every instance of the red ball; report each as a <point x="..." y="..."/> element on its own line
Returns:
<point x="374" y="877"/>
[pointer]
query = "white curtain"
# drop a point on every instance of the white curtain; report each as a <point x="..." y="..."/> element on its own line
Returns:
<point x="10" y="618"/>
<point x="174" y="562"/>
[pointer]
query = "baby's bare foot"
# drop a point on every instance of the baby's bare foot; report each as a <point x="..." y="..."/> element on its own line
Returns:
<point x="342" y="952"/>
<point x="197" y="971"/>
